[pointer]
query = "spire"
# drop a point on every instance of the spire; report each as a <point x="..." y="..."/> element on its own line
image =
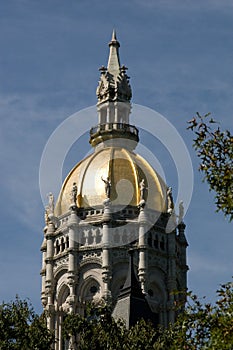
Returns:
<point x="131" y="303"/>
<point x="114" y="82"/>
<point x="132" y="286"/>
<point x="114" y="60"/>
<point x="114" y="95"/>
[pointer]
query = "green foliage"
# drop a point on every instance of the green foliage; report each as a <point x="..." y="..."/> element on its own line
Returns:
<point x="215" y="149"/>
<point x="200" y="326"/>
<point x="21" y="328"/>
<point x="99" y="331"/>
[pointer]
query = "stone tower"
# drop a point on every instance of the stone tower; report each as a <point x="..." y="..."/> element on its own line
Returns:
<point x="110" y="202"/>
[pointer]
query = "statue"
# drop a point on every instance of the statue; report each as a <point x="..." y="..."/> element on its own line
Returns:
<point x="142" y="190"/>
<point x="181" y="212"/>
<point x="74" y="193"/>
<point x="107" y="186"/>
<point x="170" y="203"/>
<point x="50" y="203"/>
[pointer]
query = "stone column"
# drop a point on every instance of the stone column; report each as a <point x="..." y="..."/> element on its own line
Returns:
<point x="142" y="246"/>
<point x="183" y="259"/>
<point x="49" y="283"/>
<point x="108" y="113"/>
<point x="171" y="278"/>
<point x="43" y="271"/>
<point x="106" y="270"/>
<point x="73" y="248"/>
<point x="116" y="111"/>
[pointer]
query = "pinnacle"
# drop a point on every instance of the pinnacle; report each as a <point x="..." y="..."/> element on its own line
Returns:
<point x="114" y="38"/>
<point x="113" y="60"/>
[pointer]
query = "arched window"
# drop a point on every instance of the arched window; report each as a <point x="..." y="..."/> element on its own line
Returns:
<point x="57" y="247"/>
<point x="67" y="242"/>
<point x="91" y="290"/>
<point x="98" y="236"/>
<point x="62" y="244"/>
<point x="90" y="237"/>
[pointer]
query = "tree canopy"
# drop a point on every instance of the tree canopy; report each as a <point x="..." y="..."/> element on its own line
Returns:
<point x="214" y="147"/>
<point x="21" y="328"/>
<point x="200" y="326"/>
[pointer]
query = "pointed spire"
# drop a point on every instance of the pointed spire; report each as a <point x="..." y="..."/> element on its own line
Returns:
<point x="131" y="303"/>
<point x="132" y="286"/>
<point x="114" y="60"/>
<point x="114" y="94"/>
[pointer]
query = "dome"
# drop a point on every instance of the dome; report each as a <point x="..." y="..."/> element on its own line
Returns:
<point x="125" y="170"/>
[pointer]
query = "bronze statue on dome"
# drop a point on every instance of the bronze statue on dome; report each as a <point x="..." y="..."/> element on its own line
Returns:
<point x="74" y="193"/>
<point x="143" y="189"/>
<point x="107" y="186"/>
<point x="170" y="203"/>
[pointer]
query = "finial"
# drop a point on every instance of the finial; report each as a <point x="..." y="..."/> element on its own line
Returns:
<point x="114" y="38"/>
<point x="114" y="41"/>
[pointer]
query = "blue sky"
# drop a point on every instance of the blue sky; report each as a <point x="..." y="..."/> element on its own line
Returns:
<point x="179" y="55"/>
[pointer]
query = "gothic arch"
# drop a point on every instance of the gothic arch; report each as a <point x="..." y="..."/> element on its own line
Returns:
<point x="59" y="282"/>
<point x="156" y="289"/>
<point x="60" y="271"/>
<point x="90" y="289"/>
<point x="90" y="276"/>
<point x="90" y="261"/>
<point x="63" y="292"/>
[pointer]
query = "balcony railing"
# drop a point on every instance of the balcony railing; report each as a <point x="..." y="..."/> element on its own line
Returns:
<point x="109" y="127"/>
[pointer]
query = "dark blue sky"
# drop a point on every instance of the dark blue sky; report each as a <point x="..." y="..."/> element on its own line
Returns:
<point x="179" y="55"/>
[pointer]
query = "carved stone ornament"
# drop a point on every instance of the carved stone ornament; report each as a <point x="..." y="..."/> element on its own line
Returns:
<point x="114" y="88"/>
<point x="50" y="203"/>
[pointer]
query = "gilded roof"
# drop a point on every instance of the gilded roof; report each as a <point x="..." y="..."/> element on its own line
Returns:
<point x="125" y="170"/>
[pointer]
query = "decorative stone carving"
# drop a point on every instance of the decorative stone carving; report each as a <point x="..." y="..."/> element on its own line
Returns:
<point x="181" y="212"/>
<point x="50" y="203"/>
<point x="114" y="88"/>
<point x="61" y="261"/>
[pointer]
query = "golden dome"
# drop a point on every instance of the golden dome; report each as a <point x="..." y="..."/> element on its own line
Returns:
<point x="125" y="170"/>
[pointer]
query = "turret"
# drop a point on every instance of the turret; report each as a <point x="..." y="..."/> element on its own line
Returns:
<point x="114" y="95"/>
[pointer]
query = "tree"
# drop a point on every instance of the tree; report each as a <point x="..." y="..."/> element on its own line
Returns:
<point x="99" y="331"/>
<point x="215" y="149"/>
<point x="200" y="326"/>
<point x="21" y="328"/>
